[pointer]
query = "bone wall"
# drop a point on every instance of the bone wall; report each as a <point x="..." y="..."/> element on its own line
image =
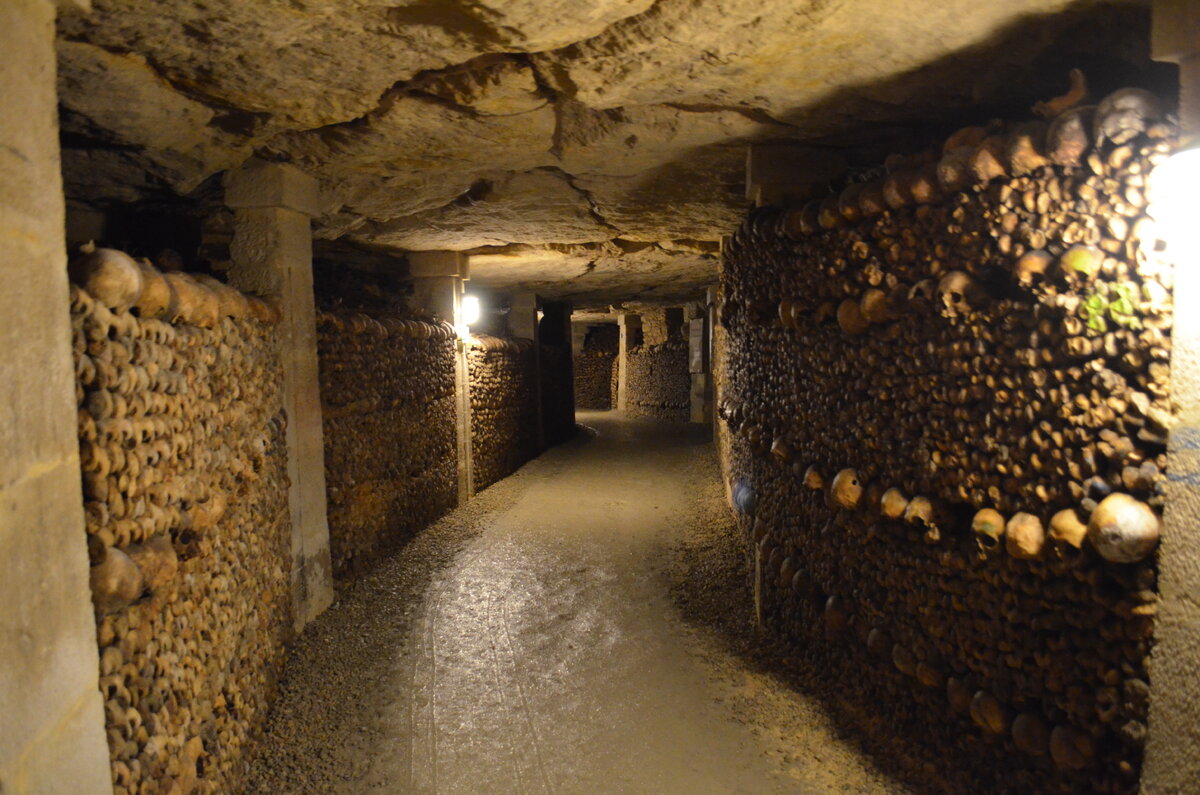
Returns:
<point x="387" y="394"/>
<point x="659" y="384"/>
<point x="185" y="494"/>
<point x="594" y="368"/>
<point x="504" y="418"/>
<point x="945" y="399"/>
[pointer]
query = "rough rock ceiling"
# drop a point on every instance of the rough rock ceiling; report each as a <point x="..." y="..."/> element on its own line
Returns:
<point x="591" y="150"/>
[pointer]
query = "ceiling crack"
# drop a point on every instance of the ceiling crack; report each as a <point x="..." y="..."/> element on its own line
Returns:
<point x="593" y="207"/>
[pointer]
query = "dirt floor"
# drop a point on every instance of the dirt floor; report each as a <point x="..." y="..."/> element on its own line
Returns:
<point x="582" y="626"/>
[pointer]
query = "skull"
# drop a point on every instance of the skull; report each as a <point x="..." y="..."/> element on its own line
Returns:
<point x="988" y="527"/>
<point x="922" y="513"/>
<point x="924" y="290"/>
<point x="846" y="491"/>
<point x="1024" y="536"/>
<point x="1067" y="533"/>
<point x="1123" y="114"/>
<point x="956" y="292"/>
<point x="1031" y="268"/>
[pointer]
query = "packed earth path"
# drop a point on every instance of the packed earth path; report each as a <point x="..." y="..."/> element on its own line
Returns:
<point x="560" y="633"/>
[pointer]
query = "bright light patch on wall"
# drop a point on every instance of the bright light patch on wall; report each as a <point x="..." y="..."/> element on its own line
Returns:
<point x="471" y="310"/>
<point x="1174" y="194"/>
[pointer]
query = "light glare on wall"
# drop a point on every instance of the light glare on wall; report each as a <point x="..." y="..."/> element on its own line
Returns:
<point x="1174" y="194"/>
<point x="470" y="310"/>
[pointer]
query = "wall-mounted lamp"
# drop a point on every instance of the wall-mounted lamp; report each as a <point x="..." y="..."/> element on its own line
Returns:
<point x="1174" y="194"/>
<point x="471" y="310"/>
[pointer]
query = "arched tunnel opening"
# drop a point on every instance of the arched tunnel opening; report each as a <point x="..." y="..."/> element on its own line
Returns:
<point x="633" y="396"/>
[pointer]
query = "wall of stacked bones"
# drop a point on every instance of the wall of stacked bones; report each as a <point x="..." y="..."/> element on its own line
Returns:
<point x="594" y="368"/>
<point x="659" y="384"/>
<point x="387" y="394"/>
<point x="946" y="406"/>
<point x="503" y="406"/>
<point x="181" y="436"/>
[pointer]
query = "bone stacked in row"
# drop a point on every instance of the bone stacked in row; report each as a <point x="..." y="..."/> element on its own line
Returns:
<point x="658" y="383"/>
<point x="503" y="407"/>
<point x="947" y="393"/>
<point x="185" y="487"/>
<point x="593" y="377"/>
<point x="594" y="368"/>
<point x="387" y="394"/>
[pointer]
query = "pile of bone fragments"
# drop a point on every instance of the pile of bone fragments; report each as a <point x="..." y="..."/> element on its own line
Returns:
<point x="946" y="399"/>
<point x="387" y="394"/>
<point x="181" y="436"/>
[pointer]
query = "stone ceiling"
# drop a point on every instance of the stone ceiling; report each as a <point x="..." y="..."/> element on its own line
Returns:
<point x="589" y="150"/>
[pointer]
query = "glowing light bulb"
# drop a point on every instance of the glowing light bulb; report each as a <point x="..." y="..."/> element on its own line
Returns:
<point x="471" y="310"/>
<point x="1174" y="195"/>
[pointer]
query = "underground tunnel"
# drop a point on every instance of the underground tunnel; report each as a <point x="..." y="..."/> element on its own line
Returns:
<point x="665" y="396"/>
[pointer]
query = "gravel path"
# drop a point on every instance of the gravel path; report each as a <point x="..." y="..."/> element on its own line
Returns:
<point x="579" y="627"/>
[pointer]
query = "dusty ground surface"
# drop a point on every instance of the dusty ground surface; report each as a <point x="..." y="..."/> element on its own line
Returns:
<point x="580" y="627"/>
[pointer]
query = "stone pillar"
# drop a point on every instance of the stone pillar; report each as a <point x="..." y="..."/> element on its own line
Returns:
<point x="51" y="713"/>
<point x="273" y="206"/>
<point x="699" y="367"/>
<point x="630" y="326"/>
<point x="439" y="280"/>
<point x="555" y="329"/>
<point x="523" y="324"/>
<point x="579" y="332"/>
<point x="780" y="173"/>
<point x="1172" y="762"/>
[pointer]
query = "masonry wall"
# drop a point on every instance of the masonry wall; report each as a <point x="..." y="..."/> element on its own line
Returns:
<point x="594" y="368"/>
<point x="387" y="394"/>
<point x="504" y="433"/>
<point x="181" y="436"/>
<point x="659" y="384"/>
<point x="987" y="331"/>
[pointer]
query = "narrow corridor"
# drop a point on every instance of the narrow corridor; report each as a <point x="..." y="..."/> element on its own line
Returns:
<point x="544" y="654"/>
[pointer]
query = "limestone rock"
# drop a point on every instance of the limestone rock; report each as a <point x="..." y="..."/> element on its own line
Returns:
<point x="491" y="123"/>
<point x="531" y="207"/>
<point x="122" y="95"/>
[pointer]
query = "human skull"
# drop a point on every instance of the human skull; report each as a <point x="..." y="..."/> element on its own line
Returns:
<point x="1031" y="268"/>
<point x="1125" y="113"/>
<point x="956" y="291"/>
<point x="924" y="290"/>
<point x="846" y="491"/>
<point x="988" y="527"/>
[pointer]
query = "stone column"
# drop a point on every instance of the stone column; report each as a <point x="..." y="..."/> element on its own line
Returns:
<point x="1172" y="762"/>
<point x="439" y="279"/>
<point x="630" y="326"/>
<point x="51" y="713"/>
<point x="555" y="330"/>
<point x="273" y="206"/>
<point x="579" y="332"/>
<point x="523" y="324"/>
<point x="781" y="173"/>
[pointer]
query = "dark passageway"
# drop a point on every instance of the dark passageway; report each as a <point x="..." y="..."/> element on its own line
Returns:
<point x="647" y="396"/>
<point x="543" y="651"/>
